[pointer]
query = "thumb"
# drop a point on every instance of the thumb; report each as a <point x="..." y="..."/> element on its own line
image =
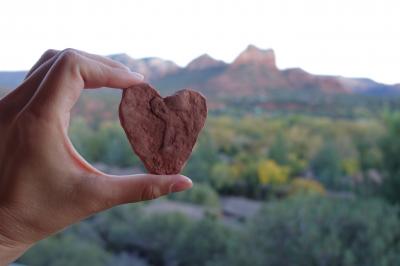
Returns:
<point x="115" y="190"/>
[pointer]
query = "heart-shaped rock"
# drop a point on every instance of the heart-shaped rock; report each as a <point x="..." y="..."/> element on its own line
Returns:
<point x="162" y="131"/>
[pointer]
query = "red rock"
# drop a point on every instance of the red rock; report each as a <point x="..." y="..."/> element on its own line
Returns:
<point x="256" y="56"/>
<point x="204" y="62"/>
<point x="162" y="131"/>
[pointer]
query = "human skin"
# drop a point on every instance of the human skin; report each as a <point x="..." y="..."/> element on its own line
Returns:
<point x="45" y="185"/>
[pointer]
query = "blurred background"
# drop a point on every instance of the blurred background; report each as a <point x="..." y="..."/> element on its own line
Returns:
<point x="299" y="161"/>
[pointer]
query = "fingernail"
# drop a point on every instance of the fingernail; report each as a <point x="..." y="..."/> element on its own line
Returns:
<point x="181" y="185"/>
<point x="137" y="76"/>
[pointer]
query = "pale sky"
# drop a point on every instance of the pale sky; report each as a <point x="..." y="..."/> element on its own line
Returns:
<point x="355" y="38"/>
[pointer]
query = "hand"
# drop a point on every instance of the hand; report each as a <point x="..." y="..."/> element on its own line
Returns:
<point x="45" y="185"/>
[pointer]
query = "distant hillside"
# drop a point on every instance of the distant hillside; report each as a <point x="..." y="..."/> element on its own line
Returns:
<point x="3" y="92"/>
<point x="252" y="74"/>
<point x="152" y="68"/>
<point x="11" y="79"/>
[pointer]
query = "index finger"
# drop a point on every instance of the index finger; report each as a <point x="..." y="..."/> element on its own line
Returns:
<point x="70" y="74"/>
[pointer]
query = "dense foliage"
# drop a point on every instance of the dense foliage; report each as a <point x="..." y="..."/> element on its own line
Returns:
<point x="296" y="231"/>
<point x="320" y="231"/>
<point x="327" y="176"/>
<point x="391" y="159"/>
<point x="260" y="156"/>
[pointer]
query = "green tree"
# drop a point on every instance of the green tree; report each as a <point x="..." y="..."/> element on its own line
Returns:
<point x="65" y="250"/>
<point x="84" y="140"/>
<point x="319" y="231"/>
<point x="205" y="241"/>
<point x="116" y="149"/>
<point x="202" y="160"/>
<point x="108" y="144"/>
<point x="279" y="150"/>
<point x="327" y="167"/>
<point x="222" y="176"/>
<point x="306" y="186"/>
<point x="390" y="146"/>
<point x="201" y="194"/>
<point x="270" y="173"/>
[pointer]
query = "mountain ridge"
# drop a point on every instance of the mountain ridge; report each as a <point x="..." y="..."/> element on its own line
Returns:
<point x="252" y="73"/>
<point x="204" y="61"/>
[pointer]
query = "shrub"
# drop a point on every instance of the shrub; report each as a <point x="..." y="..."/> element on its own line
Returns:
<point x="320" y="231"/>
<point x="326" y="165"/>
<point x="200" y="194"/>
<point x="390" y="146"/>
<point x="65" y="250"/>
<point x="306" y="186"/>
<point x="270" y="173"/>
<point x="203" y="242"/>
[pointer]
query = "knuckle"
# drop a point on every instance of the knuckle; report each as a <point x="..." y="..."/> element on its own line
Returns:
<point x="69" y="50"/>
<point x="68" y="60"/>
<point x="49" y="53"/>
<point x="150" y="192"/>
<point x="69" y="56"/>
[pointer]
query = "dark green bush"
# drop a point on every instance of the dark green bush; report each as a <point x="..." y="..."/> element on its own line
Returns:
<point x="203" y="242"/>
<point x="390" y="146"/>
<point x="65" y="250"/>
<point x="201" y="194"/>
<point x="320" y="231"/>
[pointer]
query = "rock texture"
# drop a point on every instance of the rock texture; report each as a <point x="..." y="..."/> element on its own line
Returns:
<point x="204" y="62"/>
<point x="255" y="56"/>
<point x="162" y="131"/>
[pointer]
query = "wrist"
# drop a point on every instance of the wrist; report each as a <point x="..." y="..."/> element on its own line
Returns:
<point x="9" y="251"/>
<point x="10" y="254"/>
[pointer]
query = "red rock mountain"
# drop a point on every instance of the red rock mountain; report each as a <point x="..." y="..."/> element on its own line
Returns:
<point x="255" y="56"/>
<point x="204" y="62"/>
<point x="252" y="73"/>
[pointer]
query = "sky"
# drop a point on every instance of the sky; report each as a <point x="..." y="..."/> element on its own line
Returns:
<point x="353" y="38"/>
